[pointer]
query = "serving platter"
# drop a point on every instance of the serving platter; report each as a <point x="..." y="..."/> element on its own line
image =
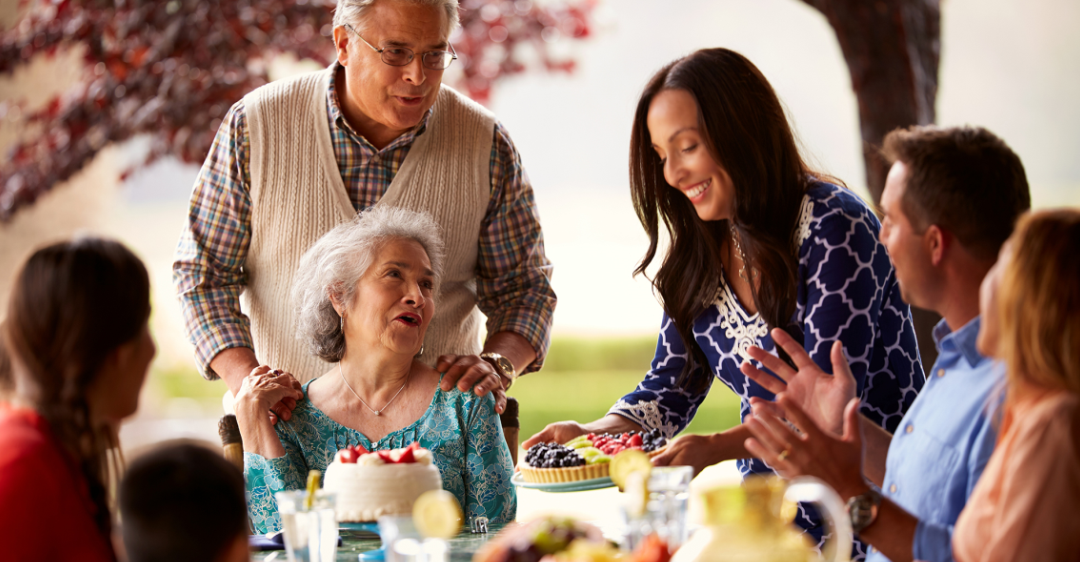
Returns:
<point x="563" y="487"/>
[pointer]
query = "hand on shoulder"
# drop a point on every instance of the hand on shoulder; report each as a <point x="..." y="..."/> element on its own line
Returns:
<point x="470" y="372"/>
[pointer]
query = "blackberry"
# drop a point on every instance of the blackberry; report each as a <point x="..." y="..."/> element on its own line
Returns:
<point x="552" y="455"/>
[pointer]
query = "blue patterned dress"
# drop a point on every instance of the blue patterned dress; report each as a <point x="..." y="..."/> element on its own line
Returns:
<point x="462" y="431"/>
<point x="847" y="290"/>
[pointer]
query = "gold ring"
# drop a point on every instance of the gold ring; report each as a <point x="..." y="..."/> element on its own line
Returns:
<point x="783" y="455"/>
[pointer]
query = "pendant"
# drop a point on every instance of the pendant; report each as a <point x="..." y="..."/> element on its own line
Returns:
<point x="378" y="412"/>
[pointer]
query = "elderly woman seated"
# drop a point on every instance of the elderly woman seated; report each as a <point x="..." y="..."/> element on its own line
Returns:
<point x="366" y="293"/>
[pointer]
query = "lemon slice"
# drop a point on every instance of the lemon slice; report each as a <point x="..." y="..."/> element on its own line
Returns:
<point x="637" y="493"/>
<point x="437" y="514"/>
<point x="630" y="460"/>
<point x="313" y="478"/>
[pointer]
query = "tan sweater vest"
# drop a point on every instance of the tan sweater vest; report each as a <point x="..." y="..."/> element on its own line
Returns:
<point x="298" y="195"/>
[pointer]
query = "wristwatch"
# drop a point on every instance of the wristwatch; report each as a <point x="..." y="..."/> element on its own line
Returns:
<point x="503" y="367"/>
<point x="863" y="509"/>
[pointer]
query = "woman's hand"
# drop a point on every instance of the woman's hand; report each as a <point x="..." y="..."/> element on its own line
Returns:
<point x="820" y="395"/>
<point x="817" y="453"/>
<point x="262" y="388"/>
<point x="561" y="432"/>
<point x="283" y="408"/>
<point x="472" y="372"/>
<point x="698" y="451"/>
<point x="265" y="387"/>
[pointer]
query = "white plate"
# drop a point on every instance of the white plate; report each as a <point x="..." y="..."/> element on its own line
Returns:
<point x="563" y="487"/>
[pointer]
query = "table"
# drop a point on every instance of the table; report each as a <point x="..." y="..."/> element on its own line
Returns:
<point x="598" y="507"/>
<point x="462" y="547"/>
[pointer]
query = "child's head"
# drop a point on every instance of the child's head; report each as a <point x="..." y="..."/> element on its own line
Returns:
<point x="184" y="502"/>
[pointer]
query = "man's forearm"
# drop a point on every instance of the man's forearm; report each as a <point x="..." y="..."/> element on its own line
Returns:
<point x="875" y="448"/>
<point x="233" y="364"/>
<point x="731" y="443"/>
<point x="513" y="347"/>
<point x="892" y="532"/>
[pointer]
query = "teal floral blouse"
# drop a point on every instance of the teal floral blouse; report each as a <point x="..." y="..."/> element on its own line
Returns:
<point x="462" y="431"/>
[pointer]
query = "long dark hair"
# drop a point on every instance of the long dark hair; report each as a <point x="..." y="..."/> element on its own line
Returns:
<point x="72" y="305"/>
<point x="746" y="133"/>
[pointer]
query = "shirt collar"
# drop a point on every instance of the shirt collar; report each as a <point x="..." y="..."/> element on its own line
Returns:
<point x="333" y="107"/>
<point x="961" y="341"/>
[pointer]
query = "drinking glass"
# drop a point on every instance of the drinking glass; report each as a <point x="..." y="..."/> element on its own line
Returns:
<point x="310" y="534"/>
<point x="665" y="509"/>
<point x="402" y="542"/>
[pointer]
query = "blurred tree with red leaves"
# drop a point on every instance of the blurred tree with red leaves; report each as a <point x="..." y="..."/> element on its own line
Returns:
<point x="171" y="69"/>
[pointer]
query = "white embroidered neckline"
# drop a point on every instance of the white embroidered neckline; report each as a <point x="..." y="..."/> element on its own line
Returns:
<point x="744" y="330"/>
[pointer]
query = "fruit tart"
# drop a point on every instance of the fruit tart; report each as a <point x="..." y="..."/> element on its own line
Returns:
<point x="585" y="457"/>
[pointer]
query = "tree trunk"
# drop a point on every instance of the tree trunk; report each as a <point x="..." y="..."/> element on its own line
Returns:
<point x="892" y="49"/>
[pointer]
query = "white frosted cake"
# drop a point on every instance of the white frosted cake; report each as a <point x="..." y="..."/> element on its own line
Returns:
<point x="371" y="485"/>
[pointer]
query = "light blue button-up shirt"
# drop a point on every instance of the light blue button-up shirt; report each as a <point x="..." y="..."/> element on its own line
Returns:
<point x="944" y="441"/>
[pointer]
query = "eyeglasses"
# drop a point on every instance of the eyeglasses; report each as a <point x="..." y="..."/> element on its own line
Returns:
<point x="401" y="56"/>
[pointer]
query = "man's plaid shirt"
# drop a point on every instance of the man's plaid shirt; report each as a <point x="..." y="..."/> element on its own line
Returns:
<point x="512" y="273"/>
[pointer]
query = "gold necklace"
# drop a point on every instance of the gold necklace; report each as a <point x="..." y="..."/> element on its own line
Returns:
<point x="741" y="255"/>
<point x="374" y="411"/>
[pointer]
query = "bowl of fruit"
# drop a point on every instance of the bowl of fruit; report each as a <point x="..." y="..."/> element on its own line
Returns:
<point x="585" y="457"/>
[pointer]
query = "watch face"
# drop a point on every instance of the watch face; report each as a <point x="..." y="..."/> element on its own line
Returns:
<point x="502" y="364"/>
<point x="863" y="510"/>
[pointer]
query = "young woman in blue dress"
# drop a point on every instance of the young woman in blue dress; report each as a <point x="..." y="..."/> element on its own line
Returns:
<point x="761" y="247"/>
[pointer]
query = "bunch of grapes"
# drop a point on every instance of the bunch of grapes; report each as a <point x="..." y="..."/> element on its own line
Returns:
<point x="553" y="455"/>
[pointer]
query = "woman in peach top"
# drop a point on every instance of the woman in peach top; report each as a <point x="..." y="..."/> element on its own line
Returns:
<point x="1025" y="505"/>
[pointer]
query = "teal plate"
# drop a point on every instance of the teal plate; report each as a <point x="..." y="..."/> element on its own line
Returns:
<point x="563" y="487"/>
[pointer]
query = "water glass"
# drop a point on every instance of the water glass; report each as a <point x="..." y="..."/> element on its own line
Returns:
<point x="311" y="535"/>
<point x="402" y="542"/>
<point x="665" y="509"/>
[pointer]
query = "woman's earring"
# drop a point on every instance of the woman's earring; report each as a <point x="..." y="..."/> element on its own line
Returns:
<point x="342" y="324"/>
<point x="421" y="351"/>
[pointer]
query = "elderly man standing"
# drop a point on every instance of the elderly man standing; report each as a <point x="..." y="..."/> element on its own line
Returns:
<point x="950" y="201"/>
<point x="299" y="156"/>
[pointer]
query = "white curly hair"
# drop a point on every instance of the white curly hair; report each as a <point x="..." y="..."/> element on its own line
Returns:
<point x="334" y="265"/>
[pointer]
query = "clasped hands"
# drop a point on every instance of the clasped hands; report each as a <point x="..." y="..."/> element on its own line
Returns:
<point x="823" y="407"/>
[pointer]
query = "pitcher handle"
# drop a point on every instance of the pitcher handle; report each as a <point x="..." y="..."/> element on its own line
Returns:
<point x="837" y="522"/>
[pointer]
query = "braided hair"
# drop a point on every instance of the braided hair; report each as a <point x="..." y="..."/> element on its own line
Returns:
<point x="73" y="304"/>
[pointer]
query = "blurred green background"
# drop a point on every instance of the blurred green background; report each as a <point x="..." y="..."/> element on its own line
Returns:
<point x="581" y="379"/>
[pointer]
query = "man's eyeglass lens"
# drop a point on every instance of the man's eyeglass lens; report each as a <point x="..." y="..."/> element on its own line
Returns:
<point x="401" y="56"/>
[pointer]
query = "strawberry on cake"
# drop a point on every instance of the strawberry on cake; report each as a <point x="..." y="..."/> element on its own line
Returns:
<point x="372" y="484"/>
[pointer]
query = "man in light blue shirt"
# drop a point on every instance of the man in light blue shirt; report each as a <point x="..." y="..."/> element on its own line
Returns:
<point x="943" y="443"/>
<point x="950" y="201"/>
